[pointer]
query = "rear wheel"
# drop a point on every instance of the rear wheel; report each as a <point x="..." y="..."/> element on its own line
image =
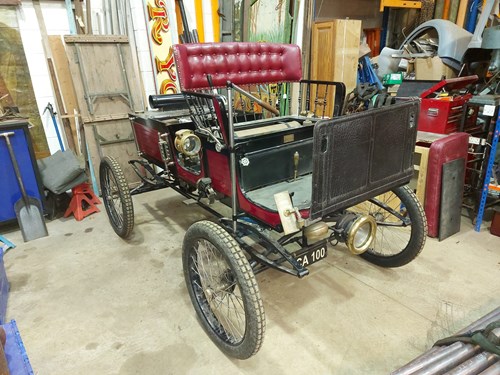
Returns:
<point x="116" y="197"/>
<point x="401" y="227"/>
<point x="223" y="290"/>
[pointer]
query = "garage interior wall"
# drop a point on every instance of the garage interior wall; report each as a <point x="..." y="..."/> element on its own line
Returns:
<point x="365" y="10"/>
<point x="56" y="23"/>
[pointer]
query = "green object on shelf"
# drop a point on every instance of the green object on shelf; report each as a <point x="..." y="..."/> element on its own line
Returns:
<point x="393" y="79"/>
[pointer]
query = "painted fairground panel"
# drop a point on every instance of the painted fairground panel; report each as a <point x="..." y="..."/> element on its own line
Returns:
<point x="267" y="93"/>
<point x="270" y="21"/>
<point x="16" y="90"/>
<point x="161" y="21"/>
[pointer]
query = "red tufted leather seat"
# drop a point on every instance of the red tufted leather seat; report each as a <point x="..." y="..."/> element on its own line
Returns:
<point x="240" y="63"/>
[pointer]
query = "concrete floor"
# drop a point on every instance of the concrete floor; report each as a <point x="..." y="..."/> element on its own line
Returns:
<point x="88" y="302"/>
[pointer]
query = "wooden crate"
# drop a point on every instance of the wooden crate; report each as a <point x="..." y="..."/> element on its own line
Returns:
<point x="422" y="158"/>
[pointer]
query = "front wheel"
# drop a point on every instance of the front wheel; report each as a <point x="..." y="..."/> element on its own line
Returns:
<point x="223" y="290"/>
<point x="116" y="197"/>
<point x="401" y="227"/>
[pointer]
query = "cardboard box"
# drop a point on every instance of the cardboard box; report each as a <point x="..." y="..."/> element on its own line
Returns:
<point x="432" y="68"/>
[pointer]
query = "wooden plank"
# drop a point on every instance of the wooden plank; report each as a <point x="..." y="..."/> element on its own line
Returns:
<point x="80" y="20"/>
<point x="422" y="172"/>
<point x="89" y="16"/>
<point x="96" y="39"/>
<point x="102" y="79"/>
<point x="10" y="2"/>
<point x="70" y="134"/>
<point x="71" y="17"/>
<point x="399" y="4"/>
<point x="438" y="12"/>
<point x="65" y="127"/>
<point x="454" y="10"/>
<point x="446" y="9"/>
<point x="107" y="79"/>
<point x="462" y="12"/>
<point x="68" y="103"/>
<point x="306" y="38"/>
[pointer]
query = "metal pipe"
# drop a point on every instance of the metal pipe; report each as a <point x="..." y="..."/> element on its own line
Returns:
<point x="449" y="362"/>
<point x="482" y="322"/>
<point x="474" y="365"/>
<point x="492" y="370"/>
<point x="436" y="355"/>
<point x="232" y="156"/>
<point x="433" y="355"/>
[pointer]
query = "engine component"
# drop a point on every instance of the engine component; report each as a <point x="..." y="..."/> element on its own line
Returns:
<point x="316" y="232"/>
<point x="163" y="143"/>
<point x="357" y="231"/>
<point x="187" y="143"/>
<point x="204" y="186"/>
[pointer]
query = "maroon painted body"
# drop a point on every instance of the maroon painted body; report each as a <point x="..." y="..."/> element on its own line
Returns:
<point x="147" y="141"/>
<point x="213" y="164"/>
<point x="272" y="154"/>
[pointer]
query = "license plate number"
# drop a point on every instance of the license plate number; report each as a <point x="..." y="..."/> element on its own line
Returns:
<point x="313" y="255"/>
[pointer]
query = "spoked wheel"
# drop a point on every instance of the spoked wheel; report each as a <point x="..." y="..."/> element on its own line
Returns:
<point x="401" y="227"/>
<point x="116" y="197"/>
<point x="223" y="290"/>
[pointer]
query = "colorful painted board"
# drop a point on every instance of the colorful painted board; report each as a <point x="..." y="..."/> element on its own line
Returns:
<point x="270" y="21"/>
<point x="160" y="37"/>
<point x="15" y="81"/>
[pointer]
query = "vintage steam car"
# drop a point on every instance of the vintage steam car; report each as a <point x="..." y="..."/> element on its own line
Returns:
<point x="293" y="182"/>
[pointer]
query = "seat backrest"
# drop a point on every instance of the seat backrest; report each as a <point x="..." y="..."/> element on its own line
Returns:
<point x="242" y="63"/>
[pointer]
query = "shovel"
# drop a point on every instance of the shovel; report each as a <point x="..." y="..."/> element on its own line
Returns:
<point x="28" y="209"/>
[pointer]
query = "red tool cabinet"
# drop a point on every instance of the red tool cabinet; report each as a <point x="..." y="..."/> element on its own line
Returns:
<point x="443" y="115"/>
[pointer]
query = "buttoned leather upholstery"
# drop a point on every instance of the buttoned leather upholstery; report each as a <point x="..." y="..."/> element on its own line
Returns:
<point x="240" y="63"/>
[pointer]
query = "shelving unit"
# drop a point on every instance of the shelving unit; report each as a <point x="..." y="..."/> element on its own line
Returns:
<point x="487" y="187"/>
<point x="482" y="150"/>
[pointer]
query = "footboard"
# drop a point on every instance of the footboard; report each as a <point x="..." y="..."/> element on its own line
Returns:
<point x="359" y="156"/>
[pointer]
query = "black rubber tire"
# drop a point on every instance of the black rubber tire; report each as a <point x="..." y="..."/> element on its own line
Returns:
<point x="416" y="233"/>
<point x="116" y="197"/>
<point x="225" y="255"/>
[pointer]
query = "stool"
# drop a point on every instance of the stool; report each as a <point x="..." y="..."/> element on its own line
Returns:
<point x="83" y="202"/>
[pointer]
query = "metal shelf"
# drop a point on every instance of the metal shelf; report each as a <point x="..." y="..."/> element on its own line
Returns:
<point x="487" y="187"/>
<point x="399" y="4"/>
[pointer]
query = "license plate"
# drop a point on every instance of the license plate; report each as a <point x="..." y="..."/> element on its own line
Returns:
<point x="313" y="255"/>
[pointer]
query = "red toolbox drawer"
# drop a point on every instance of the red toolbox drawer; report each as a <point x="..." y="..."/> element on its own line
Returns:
<point x="443" y="114"/>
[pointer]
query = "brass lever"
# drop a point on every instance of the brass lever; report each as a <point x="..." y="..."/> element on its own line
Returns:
<point x="295" y="164"/>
